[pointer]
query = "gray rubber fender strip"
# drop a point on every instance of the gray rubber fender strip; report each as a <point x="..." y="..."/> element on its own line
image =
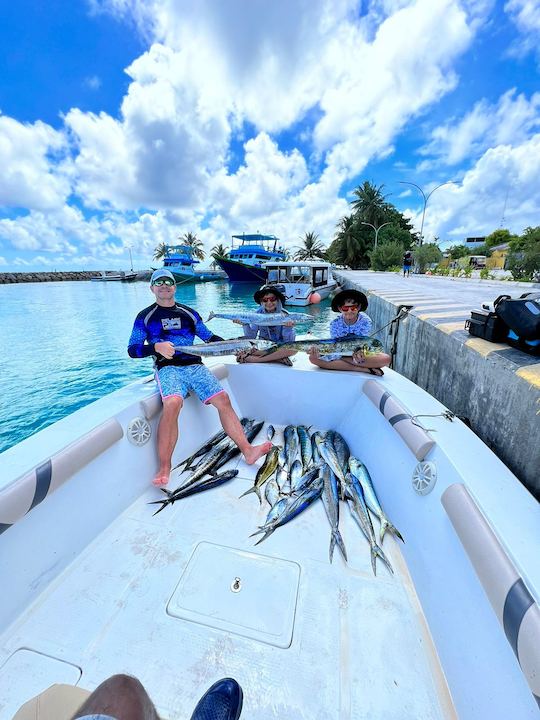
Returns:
<point x="31" y="489"/>
<point x="416" y="438"/>
<point x="513" y="603"/>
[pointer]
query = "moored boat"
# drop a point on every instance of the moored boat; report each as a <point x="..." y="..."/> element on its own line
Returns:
<point x="112" y="276"/>
<point x="302" y="282"/>
<point x="245" y="260"/>
<point x="94" y="584"/>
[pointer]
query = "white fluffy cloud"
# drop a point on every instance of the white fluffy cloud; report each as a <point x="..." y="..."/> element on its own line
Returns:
<point x="509" y="121"/>
<point x="30" y="176"/>
<point x="526" y="16"/>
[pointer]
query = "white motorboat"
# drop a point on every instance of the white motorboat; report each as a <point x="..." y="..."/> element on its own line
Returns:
<point x="94" y="584"/>
<point x="302" y="282"/>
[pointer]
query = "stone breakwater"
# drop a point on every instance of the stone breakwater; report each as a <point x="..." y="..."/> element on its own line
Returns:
<point x="31" y="277"/>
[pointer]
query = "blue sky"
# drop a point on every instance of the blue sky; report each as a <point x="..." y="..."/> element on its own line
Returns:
<point x="125" y="123"/>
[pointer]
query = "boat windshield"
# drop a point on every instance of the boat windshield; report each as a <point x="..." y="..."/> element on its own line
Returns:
<point x="290" y="274"/>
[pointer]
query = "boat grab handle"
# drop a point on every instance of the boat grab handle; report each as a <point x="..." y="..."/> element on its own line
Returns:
<point x="515" y="607"/>
<point x="32" y="488"/>
<point x="414" y="436"/>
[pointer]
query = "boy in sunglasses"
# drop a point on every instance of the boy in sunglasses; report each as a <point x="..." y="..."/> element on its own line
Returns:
<point x="157" y="329"/>
<point x="352" y="320"/>
<point x="270" y="300"/>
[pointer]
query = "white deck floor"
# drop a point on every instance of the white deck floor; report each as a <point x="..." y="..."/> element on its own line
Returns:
<point x="359" y="649"/>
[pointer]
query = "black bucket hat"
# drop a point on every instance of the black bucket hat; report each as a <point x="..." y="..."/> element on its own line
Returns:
<point x="265" y="290"/>
<point x="355" y="295"/>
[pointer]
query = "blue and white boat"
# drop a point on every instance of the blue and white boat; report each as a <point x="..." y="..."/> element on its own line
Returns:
<point x="245" y="261"/>
<point x="179" y="260"/>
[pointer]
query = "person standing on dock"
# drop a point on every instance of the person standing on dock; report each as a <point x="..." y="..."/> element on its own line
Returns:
<point x="270" y="300"/>
<point x="351" y="304"/>
<point x="407" y="263"/>
<point x="156" y="331"/>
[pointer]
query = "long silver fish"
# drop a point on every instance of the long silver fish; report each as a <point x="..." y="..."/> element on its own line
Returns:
<point x="303" y="481"/>
<point x="357" y="506"/>
<point x="330" y="498"/>
<point x="209" y="444"/>
<point x="201" y="486"/>
<point x="292" y="508"/>
<point x="223" y="347"/>
<point x="360" y="471"/>
<point x="264" y="319"/>
<point x="346" y="345"/>
<point x="327" y="452"/>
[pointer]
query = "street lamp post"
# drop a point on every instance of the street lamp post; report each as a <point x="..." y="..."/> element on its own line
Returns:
<point x="376" y="229"/>
<point x="405" y="182"/>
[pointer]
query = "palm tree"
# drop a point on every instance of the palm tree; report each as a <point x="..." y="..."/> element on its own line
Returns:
<point x="218" y="251"/>
<point x="348" y="244"/>
<point x="194" y="243"/>
<point x="160" y="251"/>
<point x="370" y="204"/>
<point x="311" y="248"/>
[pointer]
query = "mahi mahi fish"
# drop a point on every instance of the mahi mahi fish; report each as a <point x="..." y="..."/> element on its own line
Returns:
<point x="360" y="471"/>
<point x="346" y="345"/>
<point x="267" y="469"/>
<point x="223" y="347"/>
<point x="264" y="319"/>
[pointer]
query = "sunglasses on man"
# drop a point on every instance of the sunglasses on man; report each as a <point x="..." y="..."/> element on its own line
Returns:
<point x="348" y="307"/>
<point x="164" y="281"/>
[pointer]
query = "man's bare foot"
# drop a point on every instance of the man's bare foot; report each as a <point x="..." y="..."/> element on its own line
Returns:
<point x="254" y="452"/>
<point x="161" y="479"/>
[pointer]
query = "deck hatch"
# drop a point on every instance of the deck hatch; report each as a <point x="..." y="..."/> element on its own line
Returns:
<point x="240" y="592"/>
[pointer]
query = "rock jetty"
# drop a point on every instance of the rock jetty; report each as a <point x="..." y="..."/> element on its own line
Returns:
<point x="32" y="277"/>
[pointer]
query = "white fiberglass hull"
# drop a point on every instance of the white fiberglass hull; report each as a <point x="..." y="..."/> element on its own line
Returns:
<point x="95" y="584"/>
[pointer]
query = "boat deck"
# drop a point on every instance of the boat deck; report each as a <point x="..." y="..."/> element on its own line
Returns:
<point x="151" y="596"/>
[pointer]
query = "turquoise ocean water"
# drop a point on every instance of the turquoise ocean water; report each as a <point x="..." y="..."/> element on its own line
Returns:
<point x="65" y="343"/>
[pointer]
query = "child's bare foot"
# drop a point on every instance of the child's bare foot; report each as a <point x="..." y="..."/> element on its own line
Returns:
<point x="254" y="452"/>
<point x="161" y="479"/>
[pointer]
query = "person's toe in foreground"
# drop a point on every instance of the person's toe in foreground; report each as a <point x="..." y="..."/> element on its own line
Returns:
<point x="161" y="479"/>
<point x="254" y="452"/>
<point x="223" y="701"/>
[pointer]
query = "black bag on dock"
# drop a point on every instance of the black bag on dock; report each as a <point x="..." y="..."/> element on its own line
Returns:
<point x="522" y="315"/>
<point x="487" y="325"/>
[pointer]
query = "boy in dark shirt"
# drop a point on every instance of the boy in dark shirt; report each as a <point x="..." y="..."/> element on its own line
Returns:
<point x="157" y="329"/>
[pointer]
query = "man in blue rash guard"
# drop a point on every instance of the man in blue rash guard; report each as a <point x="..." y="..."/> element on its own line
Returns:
<point x="157" y="329"/>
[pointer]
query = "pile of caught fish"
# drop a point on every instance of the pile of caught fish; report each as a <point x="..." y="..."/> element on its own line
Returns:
<point x="305" y="467"/>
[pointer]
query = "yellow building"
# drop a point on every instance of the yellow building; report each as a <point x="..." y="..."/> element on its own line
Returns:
<point x="498" y="256"/>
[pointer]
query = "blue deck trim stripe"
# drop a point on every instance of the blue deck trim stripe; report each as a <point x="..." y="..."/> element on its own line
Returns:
<point x="382" y="403"/>
<point x="43" y="483"/>
<point x="518" y="601"/>
<point x="398" y="418"/>
<point x="3" y="527"/>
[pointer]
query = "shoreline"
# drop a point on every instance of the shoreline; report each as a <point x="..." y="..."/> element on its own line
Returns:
<point x="8" y="278"/>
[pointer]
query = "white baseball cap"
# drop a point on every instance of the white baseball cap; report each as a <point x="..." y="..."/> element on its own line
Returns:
<point x="161" y="272"/>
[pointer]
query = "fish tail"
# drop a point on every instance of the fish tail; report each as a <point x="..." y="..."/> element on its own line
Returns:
<point x="210" y="316"/>
<point x="377" y="552"/>
<point x="251" y="489"/>
<point x="266" y="534"/>
<point x="164" y="504"/>
<point x="332" y="545"/>
<point x="387" y="526"/>
<point x="341" y="545"/>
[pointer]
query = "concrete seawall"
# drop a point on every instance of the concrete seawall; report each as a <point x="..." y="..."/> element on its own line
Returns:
<point x="30" y="277"/>
<point x="494" y="386"/>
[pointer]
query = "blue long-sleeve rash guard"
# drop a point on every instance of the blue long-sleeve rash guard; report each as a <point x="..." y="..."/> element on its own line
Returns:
<point x="179" y="325"/>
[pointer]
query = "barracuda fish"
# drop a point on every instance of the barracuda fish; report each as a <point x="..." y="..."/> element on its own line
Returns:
<point x="267" y="469"/>
<point x="306" y="453"/>
<point x="346" y="345"/>
<point x="207" y="484"/>
<point x="330" y="498"/>
<point x="359" y="511"/>
<point x="209" y="444"/>
<point x="223" y="347"/>
<point x="292" y="507"/>
<point x="264" y="319"/>
<point x="360" y="471"/>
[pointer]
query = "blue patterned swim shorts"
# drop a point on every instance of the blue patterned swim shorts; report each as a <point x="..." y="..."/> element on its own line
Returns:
<point x="180" y="380"/>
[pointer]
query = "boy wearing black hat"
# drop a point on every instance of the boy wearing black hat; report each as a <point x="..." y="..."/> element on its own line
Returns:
<point x="271" y="300"/>
<point x="351" y="305"/>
